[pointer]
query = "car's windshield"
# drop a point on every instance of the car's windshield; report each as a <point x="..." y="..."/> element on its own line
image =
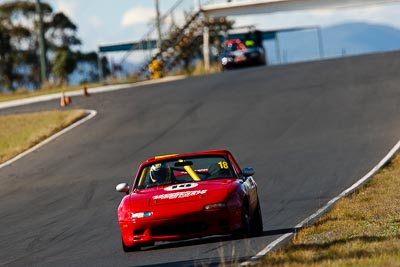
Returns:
<point x="183" y="170"/>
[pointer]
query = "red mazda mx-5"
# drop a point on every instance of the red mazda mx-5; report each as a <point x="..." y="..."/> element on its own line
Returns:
<point x="185" y="196"/>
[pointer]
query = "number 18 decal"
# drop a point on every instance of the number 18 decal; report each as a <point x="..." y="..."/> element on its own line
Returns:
<point x="223" y="165"/>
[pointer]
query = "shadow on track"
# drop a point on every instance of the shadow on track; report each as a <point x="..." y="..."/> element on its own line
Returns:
<point x="281" y="231"/>
<point x="212" y="262"/>
<point x="217" y="261"/>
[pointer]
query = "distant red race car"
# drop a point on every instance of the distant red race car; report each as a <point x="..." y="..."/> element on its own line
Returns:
<point x="238" y="54"/>
<point x="186" y="196"/>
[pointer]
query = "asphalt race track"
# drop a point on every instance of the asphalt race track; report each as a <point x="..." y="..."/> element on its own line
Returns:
<point x="310" y="130"/>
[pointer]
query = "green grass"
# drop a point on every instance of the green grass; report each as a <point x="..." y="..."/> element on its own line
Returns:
<point x="21" y="131"/>
<point x="361" y="230"/>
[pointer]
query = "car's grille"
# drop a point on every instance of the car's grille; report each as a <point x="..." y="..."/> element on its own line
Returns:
<point x="179" y="229"/>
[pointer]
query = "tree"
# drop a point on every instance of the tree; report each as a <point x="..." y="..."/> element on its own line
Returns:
<point x="61" y="32"/>
<point x="18" y="21"/>
<point x="64" y="63"/>
<point x="5" y="59"/>
<point x="217" y="27"/>
<point x="61" y="36"/>
<point x="87" y="66"/>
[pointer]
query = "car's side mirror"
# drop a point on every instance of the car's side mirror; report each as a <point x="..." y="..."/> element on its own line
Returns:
<point x="123" y="188"/>
<point x="248" y="171"/>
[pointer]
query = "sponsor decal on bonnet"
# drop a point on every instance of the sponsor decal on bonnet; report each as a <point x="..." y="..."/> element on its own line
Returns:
<point x="183" y="194"/>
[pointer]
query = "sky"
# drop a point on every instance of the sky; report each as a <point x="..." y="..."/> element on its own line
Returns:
<point x="102" y="22"/>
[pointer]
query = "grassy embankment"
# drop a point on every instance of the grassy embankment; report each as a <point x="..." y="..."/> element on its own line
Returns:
<point x="21" y="131"/>
<point x="361" y="230"/>
<point x="199" y="70"/>
<point x="19" y="94"/>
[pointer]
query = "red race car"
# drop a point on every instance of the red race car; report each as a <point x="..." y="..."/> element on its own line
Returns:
<point x="186" y="196"/>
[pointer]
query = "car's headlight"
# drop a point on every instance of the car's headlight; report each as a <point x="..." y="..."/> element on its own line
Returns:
<point x="138" y="215"/>
<point x="215" y="206"/>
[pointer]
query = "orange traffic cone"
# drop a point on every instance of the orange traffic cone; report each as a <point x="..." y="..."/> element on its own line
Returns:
<point x="85" y="92"/>
<point x="63" y="101"/>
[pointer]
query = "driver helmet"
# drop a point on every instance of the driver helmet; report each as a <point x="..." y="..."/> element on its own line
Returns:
<point x="160" y="173"/>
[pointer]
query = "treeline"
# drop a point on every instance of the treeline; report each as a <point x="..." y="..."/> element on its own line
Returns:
<point x="19" y="47"/>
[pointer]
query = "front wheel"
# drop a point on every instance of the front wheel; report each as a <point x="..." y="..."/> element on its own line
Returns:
<point x="245" y="229"/>
<point x="257" y="221"/>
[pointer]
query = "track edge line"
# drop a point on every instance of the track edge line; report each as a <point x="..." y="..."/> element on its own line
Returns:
<point x="312" y="218"/>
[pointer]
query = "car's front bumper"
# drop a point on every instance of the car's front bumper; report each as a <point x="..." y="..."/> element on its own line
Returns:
<point x="145" y="231"/>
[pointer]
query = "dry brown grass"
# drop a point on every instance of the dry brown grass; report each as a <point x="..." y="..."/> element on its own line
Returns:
<point x="361" y="230"/>
<point x="20" y="94"/>
<point x="21" y="131"/>
<point x="199" y="69"/>
<point x="51" y="89"/>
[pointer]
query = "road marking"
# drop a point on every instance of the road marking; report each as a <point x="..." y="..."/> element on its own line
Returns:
<point x="312" y="218"/>
<point x="91" y="113"/>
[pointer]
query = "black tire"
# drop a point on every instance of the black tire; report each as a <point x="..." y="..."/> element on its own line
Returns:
<point x="245" y="230"/>
<point x="129" y="248"/>
<point x="257" y="227"/>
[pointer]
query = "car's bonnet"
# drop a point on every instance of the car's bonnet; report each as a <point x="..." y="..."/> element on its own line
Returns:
<point x="186" y="192"/>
